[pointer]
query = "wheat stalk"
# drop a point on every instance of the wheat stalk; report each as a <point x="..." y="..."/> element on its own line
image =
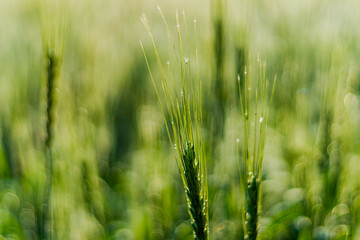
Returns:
<point x="52" y="68"/>
<point x="53" y="28"/>
<point x="184" y="126"/>
<point x="253" y="144"/>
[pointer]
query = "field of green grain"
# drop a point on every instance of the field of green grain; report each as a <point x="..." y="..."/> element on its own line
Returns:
<point x="146" y="120"/>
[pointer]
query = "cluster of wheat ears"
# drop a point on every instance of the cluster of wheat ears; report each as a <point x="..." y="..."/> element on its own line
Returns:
<point x="179" y="92"/>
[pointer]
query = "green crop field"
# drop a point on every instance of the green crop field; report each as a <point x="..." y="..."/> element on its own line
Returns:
<point x="220" y="119"/>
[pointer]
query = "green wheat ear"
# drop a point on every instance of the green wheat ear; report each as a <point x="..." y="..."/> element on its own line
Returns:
<point x="196" y="203"/>
<point x="52" y="66"/>
<point x="253" y="107"/>
<point x="184" y="126"/>
<point x="252" y="201"/>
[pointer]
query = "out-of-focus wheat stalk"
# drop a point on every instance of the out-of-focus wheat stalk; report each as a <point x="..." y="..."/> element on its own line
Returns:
<point x="53" y="24"/>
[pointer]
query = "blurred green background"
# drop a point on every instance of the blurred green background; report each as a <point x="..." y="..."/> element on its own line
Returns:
<point x="114" y="173"/>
